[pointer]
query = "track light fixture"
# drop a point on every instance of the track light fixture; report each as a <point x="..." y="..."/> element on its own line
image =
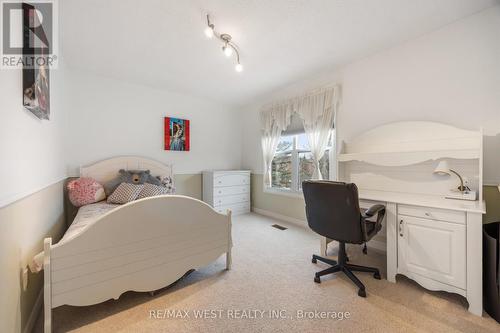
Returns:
<point x="228" y="47"/>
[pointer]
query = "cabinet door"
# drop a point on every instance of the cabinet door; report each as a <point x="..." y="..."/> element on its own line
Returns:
<point x="432" y="249"/>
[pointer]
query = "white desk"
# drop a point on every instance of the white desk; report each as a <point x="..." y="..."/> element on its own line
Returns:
<point x="432" y="240"/>
<point x="433" y="201"/>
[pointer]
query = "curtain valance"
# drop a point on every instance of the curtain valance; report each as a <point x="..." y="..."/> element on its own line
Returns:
<point x="309" y="107"/>
<point x="317" y="110"/>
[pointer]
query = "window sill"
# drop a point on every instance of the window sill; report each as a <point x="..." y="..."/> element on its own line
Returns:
<point x="285" y="193"/>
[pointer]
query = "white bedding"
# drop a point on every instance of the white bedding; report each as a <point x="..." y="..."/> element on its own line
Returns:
<point x="86" y="215"/>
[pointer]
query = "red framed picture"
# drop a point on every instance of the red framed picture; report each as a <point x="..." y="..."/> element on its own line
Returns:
<point x="176" y="134"/>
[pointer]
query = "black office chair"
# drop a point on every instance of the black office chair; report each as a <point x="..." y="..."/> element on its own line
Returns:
<point x="332" y="210"/>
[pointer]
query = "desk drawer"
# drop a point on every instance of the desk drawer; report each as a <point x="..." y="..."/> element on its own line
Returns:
<point x="432" y="213"/>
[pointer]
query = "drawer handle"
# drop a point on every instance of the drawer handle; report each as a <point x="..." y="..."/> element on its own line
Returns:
<point x="401" y="228"/>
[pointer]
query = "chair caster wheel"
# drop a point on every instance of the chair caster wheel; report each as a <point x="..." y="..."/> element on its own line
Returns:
<point x="314" y="260"/>
<point x="376" y="276"/>
<point x="362" y="293"/>
<point x="317" y="279"/>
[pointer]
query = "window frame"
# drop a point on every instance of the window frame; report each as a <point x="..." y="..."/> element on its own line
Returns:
<point x="295" y="191"/>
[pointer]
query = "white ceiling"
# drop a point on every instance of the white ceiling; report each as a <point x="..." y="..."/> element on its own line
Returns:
<point x="160" y="43"/>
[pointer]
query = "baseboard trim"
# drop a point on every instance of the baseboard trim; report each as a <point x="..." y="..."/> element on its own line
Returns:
<point x="277" y="216"/>
<point x="37" y="307"/>
<point x="373" y="244"/>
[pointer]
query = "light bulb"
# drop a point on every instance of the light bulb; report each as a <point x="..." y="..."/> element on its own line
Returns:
<point x="239" y="68"/>
<point x="228" y="51"/>
<point x="209" y="32"/>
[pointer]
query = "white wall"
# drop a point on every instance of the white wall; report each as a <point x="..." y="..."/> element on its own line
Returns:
<point x="110" y="118"/>
<point x="451" y="75"/>
<point x="31" y="150"/>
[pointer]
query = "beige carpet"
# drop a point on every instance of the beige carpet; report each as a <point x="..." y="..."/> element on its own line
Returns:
<point x="272" y="270"/>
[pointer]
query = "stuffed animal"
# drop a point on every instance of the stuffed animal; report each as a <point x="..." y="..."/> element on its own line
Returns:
<point x="132" y="177"/>
<point x="167" y="182"/>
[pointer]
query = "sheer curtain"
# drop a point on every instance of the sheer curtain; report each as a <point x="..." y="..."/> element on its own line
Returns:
<point x="318" y="114"/>
<point x="273" y="122"/>
<point x="317" y="110"/>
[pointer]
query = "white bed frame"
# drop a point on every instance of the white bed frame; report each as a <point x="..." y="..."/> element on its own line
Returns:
<point x="142" y="246"/>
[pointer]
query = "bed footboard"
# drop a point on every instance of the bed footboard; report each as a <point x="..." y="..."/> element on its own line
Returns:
<point x="141" y="246"/>
<point x="47" y="286"/>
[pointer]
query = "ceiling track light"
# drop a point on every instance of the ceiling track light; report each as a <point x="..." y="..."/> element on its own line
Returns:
<point x="228" y="46"/>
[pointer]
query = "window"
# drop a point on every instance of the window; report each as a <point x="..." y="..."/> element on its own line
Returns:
<point x="293" y="163"/>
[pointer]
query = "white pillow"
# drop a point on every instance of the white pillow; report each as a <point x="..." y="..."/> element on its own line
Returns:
<point x="125" y="193"/>
<point x="151" y="190"/>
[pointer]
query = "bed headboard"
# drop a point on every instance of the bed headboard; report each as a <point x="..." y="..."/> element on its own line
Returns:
<point x="106" y="170"/>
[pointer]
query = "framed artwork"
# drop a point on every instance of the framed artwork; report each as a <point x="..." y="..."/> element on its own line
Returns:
<point x="36" y="78"/>
<point x="176" y="134"/>
<point x="36" y="91"/>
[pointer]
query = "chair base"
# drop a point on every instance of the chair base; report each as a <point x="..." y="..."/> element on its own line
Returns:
<point x="348" y="269"/>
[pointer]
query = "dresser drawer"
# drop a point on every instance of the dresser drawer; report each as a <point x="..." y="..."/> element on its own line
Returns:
<point x="231" y="190"/>
<point x="236" y="209"/>
<point x="236" y="179"/>
<point x="432" y="213"/>
<point x="232" y="199"/>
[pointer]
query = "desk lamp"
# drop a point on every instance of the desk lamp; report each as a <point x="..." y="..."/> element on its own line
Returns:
<point x="464" y="193"/>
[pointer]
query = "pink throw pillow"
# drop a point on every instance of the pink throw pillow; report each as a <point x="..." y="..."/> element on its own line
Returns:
<point x="84" y="191"/>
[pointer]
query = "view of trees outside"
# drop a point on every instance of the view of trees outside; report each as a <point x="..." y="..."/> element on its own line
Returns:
<point x="282" y="171"/>
<point x="306" y="167"/>
<point x="282" y="166"/>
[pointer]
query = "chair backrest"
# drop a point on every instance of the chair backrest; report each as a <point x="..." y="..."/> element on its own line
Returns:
<point x="332" y="210"/>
